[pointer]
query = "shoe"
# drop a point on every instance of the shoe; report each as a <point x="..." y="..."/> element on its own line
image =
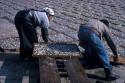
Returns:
<point x="108" y="75"/>
<point x="32" y="58"/>
<point x="23" y="58"/>
<point x="2" y="50"/>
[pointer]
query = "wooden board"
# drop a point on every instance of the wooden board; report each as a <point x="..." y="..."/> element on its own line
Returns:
<point x="48" y="71"/>
<point x="53" y="50"/>
<point x="121" y="59"/>
<point x="76" y="72"/>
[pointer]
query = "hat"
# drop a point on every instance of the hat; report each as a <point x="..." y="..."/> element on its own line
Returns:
<point x="48" y="11"/>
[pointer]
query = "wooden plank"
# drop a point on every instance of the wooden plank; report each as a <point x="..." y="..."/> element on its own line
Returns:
<point x="121" y="59"/>
<point x="48" y="71"/>
<point x="56" y="56"/>
<point x="76" y="72"/>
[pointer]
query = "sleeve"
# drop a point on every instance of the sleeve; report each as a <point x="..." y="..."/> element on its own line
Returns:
<point x="44" y="32"/>
<point x="45" y="22"/>
<point x="44" y="29"/>
<point x="110" y="42"/>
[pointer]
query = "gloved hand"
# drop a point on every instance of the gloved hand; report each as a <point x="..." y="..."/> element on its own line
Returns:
<point x="45" y="34"/>
<point x="46" y="42"/>
<point x="116" y="58"/>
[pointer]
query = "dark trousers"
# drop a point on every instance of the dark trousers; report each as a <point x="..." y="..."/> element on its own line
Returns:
<point x="94" y="47"/>
<point x="27" y="33"/>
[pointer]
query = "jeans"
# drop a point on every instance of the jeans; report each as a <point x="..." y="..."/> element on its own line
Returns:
<point x="94" y="44"/>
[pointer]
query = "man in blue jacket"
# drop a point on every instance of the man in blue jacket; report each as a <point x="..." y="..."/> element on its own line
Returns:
<point x="90" y="35"/>
<point x="26" y="22"/>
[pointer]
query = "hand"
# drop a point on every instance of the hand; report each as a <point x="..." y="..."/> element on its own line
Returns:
<point x="116" y="58"/>
<point x="42" y="42"/>
<point x="46" y="42"/>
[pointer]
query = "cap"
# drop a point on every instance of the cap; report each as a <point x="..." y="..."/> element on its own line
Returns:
<point x="48" y="11"/>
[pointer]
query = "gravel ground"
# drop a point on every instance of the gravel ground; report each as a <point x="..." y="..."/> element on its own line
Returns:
<point x="69" y="14"/>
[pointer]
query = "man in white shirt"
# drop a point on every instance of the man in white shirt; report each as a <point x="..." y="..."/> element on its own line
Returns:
<point x="26" y="22"/>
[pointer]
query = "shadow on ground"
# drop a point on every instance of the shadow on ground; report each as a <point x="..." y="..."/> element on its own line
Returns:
<point x="12" y="70"/>
<point x="95" y="72"/>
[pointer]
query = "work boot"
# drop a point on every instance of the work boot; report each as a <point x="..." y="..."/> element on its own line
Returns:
<point x="1" y="49"/>
<point x="23" y="58"/>
<point x="108" y="75"/>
